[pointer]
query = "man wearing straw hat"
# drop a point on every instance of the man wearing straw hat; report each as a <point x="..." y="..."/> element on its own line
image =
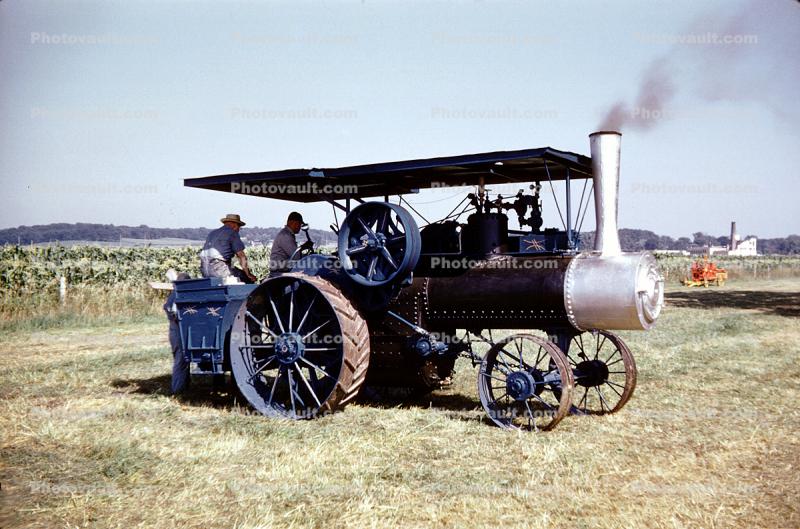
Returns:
<point x="220" y="247"/>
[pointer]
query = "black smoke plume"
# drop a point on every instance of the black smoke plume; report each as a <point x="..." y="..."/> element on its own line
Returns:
<point x="760" y="65"/>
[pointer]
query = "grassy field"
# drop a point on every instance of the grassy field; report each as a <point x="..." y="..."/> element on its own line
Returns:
<point x="90" y="438"/>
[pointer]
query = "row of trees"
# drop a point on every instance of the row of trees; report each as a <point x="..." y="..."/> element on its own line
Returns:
<point x="631" y="240"/>
<point x="638" y="240"/>
<point x="109" y="233"/>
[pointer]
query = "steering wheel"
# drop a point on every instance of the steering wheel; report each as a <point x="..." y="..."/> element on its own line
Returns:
<point x="306" y="249"/>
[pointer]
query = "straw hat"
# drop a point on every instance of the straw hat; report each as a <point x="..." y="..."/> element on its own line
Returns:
<point x="231" y="217"/>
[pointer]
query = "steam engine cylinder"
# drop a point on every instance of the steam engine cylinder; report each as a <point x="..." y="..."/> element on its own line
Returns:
<point x="486" y="233"/>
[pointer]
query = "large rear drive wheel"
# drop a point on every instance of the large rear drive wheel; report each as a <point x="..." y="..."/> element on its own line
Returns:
<point x="298" y="348"/>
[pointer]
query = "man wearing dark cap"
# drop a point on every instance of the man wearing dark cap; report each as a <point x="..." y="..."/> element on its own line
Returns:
<point x="284" y="247"/>
<point x="220" y="247"/>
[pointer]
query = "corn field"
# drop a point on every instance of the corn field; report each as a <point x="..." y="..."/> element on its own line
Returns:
<point x="38" y="268"/>
<point x="30" y="268"/>
<point x="103" y="280"/>
<point x="99" y="279"/>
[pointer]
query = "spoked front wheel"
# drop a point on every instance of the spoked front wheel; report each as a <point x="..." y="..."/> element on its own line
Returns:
<point x="525" y="383"/>
<point x="604" y="372"/>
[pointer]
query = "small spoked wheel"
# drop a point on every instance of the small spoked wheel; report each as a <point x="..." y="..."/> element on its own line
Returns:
<point x="298" y="348"/>
<point x="525" y="383"/>
<point x="379" y="243"/>
<point x="604" y="372"/>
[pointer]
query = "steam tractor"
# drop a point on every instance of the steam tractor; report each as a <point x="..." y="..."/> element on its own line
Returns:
<point x="396" y="304"/>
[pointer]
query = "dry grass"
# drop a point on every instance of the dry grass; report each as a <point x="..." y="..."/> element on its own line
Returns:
<point x="90" y="439"/>
<point x="31" y="309"/>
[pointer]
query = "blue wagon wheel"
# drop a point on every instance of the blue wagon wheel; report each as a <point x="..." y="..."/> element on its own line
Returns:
<point x="604" y="372"/>
<point x="298" y="348"/>
<point x="525" y="383"/>
<point x="379" y="243"/>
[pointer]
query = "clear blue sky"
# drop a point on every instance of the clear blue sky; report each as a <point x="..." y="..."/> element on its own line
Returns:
<point x="105" y="107"/>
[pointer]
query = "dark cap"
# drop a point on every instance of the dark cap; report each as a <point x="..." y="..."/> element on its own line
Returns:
<point x="295" y="216"/>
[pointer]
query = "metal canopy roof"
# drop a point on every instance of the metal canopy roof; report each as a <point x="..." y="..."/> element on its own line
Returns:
<point x="398" y="178"/>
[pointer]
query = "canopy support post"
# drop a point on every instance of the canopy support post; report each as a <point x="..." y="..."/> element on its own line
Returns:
<point x="570" y="244"/>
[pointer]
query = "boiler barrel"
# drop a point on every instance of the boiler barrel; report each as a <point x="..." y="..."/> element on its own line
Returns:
<point x="585" y="292"/>
<point x="505" y="292"/>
